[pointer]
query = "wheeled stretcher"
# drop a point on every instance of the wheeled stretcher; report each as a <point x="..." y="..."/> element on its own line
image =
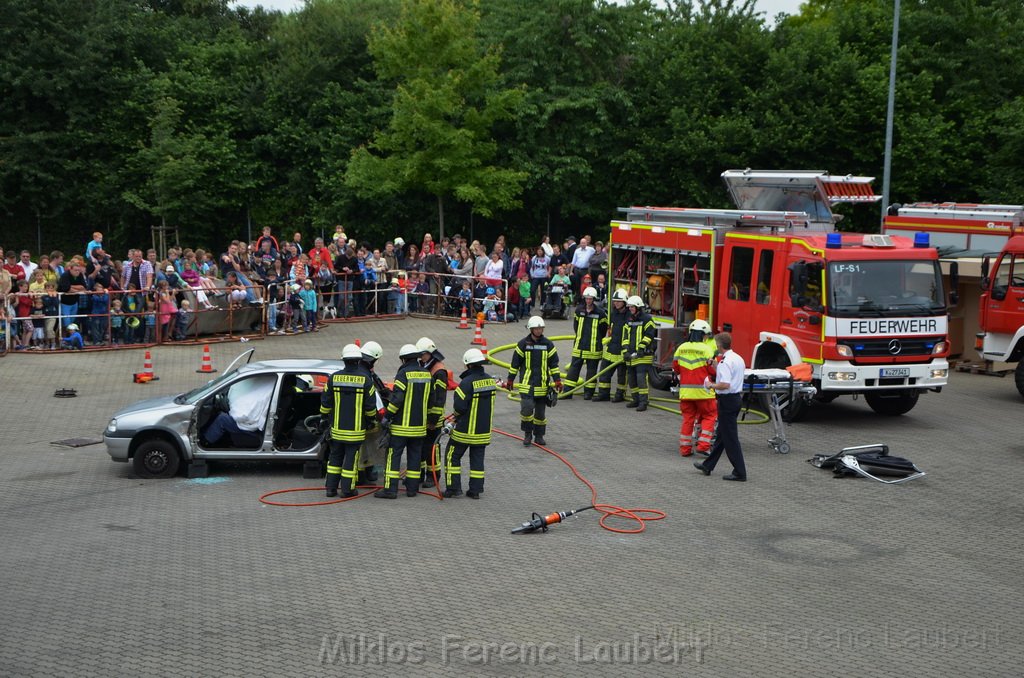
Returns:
<point x="778" y="388"/>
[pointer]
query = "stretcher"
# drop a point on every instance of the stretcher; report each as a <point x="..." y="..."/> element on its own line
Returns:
<point x="778" y="388"/>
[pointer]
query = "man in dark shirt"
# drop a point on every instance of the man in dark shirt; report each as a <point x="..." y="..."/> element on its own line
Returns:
<point x="71" y="283"/>
<point x="346" y="268"/>
<point x="557" y="258"/>
<point x="100" y="269"/>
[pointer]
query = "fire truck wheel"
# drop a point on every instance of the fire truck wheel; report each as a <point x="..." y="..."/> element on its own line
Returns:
<point x="892" y="403"/>
<point x="661" y="379"/>
<point x="1018" y="376"/>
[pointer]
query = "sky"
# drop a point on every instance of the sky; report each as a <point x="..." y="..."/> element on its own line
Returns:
<point x="769" y="7"/>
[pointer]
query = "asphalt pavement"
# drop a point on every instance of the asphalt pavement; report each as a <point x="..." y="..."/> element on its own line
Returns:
<point x="792" y="573"/>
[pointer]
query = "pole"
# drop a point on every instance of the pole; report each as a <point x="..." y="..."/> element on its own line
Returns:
<point x="887" y="172"/>
<point x="39" y="235"/>
<point x="248" y="225"/>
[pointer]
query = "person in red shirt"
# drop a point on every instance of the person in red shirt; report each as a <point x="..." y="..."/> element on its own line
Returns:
<point x="12" y="267"/>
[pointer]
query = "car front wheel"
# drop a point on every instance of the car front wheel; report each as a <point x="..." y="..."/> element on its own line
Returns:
<point x="156" y="458"/>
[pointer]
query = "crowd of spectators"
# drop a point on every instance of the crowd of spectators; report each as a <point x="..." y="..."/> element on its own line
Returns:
<point x="96" y="299"/>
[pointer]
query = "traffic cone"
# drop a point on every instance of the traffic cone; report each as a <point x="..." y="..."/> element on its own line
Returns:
<point x="147" y="368"/>
<point x="358" y="343"/>
<point x="483" y="349"/>
<point x="478" y="337"/>
<point x="206" y="366"/>
<point x="464" y="322"/>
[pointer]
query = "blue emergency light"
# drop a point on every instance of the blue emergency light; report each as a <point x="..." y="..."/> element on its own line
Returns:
<point x="921" y="240"/>
<point x="834" y="240"/>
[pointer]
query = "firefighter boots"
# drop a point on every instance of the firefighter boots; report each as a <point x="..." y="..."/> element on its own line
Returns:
<point x="528" y="439"/>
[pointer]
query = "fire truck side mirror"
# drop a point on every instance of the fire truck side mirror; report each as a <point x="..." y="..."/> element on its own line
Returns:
<point x="986" y="263"/>
<point x="954" y="283"/>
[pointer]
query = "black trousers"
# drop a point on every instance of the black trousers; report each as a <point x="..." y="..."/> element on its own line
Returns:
<point x="341" y="465"/>
<point x="411" y="447"/>
<point x="604" y="382"/>
<point x="572" y="377"/>
<point x="453" y="468"/>
<point x="728" y="439"/>
<point x="532" y="411"/>
<point x="431" y="462"/>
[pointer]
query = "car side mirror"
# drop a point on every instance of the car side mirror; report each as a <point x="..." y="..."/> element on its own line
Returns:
<point x="954" y="283"/>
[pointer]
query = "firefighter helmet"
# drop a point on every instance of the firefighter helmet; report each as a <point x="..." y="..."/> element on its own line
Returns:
<point x="590" y="292"/>
<point x="372" y="350"/>
<point x="620" y="295"/>
<point x="351" y="352"/>
<point x="425" y="345"/>
<point x="534" y="322"/>
<point x="473" y="356"/>
<point x="408" y="351"/>
<point x="635" y="301"/>
<point x="699" y="325"/>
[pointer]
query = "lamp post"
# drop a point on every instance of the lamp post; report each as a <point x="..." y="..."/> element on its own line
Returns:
<point x="887" y="172"/>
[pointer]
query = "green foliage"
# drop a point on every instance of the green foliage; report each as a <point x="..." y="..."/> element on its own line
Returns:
<point x="514" y="115"/>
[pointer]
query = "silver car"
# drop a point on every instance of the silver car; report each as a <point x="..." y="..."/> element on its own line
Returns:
<point x="280" y="403"/>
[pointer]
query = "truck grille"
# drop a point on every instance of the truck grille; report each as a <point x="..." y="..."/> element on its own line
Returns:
<point x="890" y="346"/>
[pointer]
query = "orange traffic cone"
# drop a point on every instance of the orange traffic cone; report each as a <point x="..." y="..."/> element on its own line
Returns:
<point x="206" y="366"/>
<point x="358" y="343"/>
<point x="478" y="337"/>
<point x="464" y="322"/>
<point x="483" y="349"/>
<point x="147" y="368"/>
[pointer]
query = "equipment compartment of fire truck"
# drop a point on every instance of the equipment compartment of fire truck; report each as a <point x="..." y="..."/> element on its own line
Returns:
<point x="868" y="312"/>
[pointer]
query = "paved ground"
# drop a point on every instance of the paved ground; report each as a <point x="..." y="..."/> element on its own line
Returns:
<point x="791" y="573"/>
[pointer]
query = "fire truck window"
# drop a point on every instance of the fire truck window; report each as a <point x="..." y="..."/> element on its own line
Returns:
<point x="740" y="272"/>
<point x="1001" y="279"/>
<point x="764" y="277"/>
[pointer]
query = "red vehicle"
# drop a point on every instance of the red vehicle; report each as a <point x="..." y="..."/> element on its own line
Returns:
<point x="990" y="228"/>
<point x="868" y="312"/>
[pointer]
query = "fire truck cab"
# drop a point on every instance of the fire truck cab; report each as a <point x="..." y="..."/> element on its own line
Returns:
<point x="868" y="312"/>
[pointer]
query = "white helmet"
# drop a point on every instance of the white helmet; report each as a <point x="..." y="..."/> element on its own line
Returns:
<point x="425" y="345"/>
<point x="372" y="350"/>
<point x="295" y="287"/>
<point x="590" y="292"/>
<point x="473" y="356"/>
<point x="635" y="301"/>
<point x="620" y="295"/>
<point x="351" y="352"/>
<point x="699" y="325"/>
<point x="408" y="351"/>
<point x="399" y="242"/>
<point x="535" y="321"/>
<point x="73" y="327"/>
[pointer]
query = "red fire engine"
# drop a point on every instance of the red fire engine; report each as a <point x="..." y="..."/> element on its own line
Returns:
<point x="984" y="228"/>
<point x="868" y="312"/>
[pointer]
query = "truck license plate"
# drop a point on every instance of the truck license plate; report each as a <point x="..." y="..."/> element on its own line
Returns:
<point x="895" y="372"/>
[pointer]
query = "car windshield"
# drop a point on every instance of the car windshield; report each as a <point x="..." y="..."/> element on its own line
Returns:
<point x="197" y="394"/>
<point x="884" y="288"/>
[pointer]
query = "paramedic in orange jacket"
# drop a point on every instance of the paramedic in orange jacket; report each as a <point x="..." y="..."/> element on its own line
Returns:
<point x="694" y="361"/>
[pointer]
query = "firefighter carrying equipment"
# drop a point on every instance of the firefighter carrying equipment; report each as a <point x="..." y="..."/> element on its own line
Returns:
<point x="431" y="466"/>
<point x="638" y="352"/>
<point x="612" y="354"/>
<point x="535" y="362"/>
<point x="349" y="402"/>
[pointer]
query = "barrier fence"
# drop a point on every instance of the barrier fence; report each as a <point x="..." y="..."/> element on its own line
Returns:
<point x="218" y="313"/>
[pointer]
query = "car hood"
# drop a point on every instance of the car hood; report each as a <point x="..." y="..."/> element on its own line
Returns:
<point x="150" y="404"/>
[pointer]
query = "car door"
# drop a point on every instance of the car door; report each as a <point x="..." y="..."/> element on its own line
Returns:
<point x="1005" y="303"/>
<point x="251" y="399"/>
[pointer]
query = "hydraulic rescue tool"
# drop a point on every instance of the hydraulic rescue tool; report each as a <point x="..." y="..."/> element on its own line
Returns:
<point x="539" y="522"/>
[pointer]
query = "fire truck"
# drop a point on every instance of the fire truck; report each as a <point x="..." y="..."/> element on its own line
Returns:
<point x="985" y="229"/>
<point x="867" y="312"/>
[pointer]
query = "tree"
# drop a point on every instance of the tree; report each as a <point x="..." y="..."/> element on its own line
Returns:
<point x="445" y="105"/>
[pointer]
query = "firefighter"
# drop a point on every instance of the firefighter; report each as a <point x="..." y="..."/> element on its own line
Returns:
<point x="431" y="360"/>
<point x="536" y="363"/>
<point x="406" y="419"/>
<point x="369" y="454"/>
<point x="638" y="352"/>
<point x="591" y="325"/>
<point x="474" y="408"/>
<point x="613" y="353"/>
<point x="348" y="404"/>
<point x="693" y="362"/>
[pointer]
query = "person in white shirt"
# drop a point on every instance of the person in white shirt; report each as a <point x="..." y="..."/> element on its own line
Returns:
<point x="580" y="261"/>
<point x="728" y="389"/>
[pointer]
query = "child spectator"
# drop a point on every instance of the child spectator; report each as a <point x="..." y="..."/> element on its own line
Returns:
<point x="236" y="290"/>
<point x="419" y="292"/>
<point x="98" y="322"/>
<point x="116" y="323"/>
<point x="525" y="297"/>
<point x="38" y="320"/>
<point x="73" y="340"/>
<point x="275" y="299"/>
<point x="295" y="311"/>
<point x="491" y="305"/>
<point x="150" y="322"/>
<point x="23" y="311"/>
<point x="51" y="310"/>
<point x="308" y="296"/>
<point x="182" y="320"/>
<point x="465" y="296"/>
<point x="135" y="326"/>
<point x="479" y="293"/>
<point x="396" y="294"/>
<point x="168" y="309"/>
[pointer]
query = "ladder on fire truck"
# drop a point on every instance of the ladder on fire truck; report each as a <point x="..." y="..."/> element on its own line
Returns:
<point x="990" y="214"/>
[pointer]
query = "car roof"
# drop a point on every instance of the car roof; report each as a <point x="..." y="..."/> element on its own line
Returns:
<point x="293" y="364"/>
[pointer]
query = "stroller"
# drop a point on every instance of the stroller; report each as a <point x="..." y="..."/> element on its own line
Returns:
<point x="557" y="301"/>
